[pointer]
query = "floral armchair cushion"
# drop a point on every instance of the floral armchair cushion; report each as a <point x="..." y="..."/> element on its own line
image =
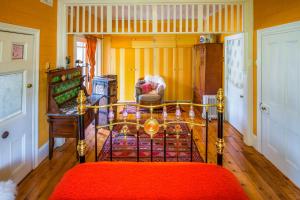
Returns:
<point x="158" y="87"/>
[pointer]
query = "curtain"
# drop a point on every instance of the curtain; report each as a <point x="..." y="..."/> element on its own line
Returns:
<point x="91" y="44"/>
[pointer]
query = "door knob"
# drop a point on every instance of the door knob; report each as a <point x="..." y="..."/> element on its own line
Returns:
<point x="265" y="108"/>
<point x="29" y="85"/>
<point x="5" y="134"/>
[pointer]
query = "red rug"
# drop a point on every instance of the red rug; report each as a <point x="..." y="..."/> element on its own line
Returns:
<point x="178" y="148"/>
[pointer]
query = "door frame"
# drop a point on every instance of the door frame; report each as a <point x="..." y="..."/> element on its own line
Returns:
<point x="260" y="34"/>
<point x="35" y="103"/>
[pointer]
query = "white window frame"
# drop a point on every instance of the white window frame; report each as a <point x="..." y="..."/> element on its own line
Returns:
<point x="77" y="39"/>
<point x="99" y="57"/>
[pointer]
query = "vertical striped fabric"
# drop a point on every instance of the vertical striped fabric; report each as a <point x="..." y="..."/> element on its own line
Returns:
<point x="173" y="64"/>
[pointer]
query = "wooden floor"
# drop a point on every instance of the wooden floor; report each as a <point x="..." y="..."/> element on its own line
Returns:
<point x="259" y="178"/>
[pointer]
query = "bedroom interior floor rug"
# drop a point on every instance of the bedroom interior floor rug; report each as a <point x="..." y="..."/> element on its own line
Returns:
<point x="125" y="147"/>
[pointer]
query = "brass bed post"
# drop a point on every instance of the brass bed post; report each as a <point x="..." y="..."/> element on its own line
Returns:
<point x="137" y="145"/>
<point x="192" y="118"/>
<point x="96" y="112"/>
<point x="165" y="117"/>
<point x="151" y="136"/>
<point x="191" y="150"/>
<point x="81" y="108"/>
<point x="206" y="133"/>
<point x="111" y="143"/>
<point x="111" y="117"/>
<point x="220" y="139"/>
<point x="138" y="117"/>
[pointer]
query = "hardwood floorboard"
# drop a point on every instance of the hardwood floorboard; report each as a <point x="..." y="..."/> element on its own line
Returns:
<point x="258" y="176"/>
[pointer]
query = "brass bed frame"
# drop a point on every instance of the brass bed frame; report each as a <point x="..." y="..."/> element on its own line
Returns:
<point x="151" y="125"/>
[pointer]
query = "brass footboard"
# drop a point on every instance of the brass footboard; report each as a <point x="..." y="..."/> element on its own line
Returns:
<point x="151" y="125"/>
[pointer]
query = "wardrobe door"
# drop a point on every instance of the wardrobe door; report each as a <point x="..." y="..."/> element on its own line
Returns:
<point x="129" y="75"/>
<point x="202" y="71"/>
<point x="196" y="96"/>
<point x="213" y="70"/>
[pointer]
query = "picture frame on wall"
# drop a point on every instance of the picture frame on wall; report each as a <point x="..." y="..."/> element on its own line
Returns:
<point x="17" y="51"/>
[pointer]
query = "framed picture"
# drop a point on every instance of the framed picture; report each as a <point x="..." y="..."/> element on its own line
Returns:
<point x="99" y="88"/>
<point x="17" y="51"/>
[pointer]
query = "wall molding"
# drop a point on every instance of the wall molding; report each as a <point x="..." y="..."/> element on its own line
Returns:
<point x="248" y="31"/>
<point x="43" y="151"/>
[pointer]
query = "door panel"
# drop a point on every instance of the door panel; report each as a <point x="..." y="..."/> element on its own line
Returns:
<point x="129" y="74"/>
<point x="11" y="95"/>
<point x="280" y="101"/>
<point x="291" y="61"/>
<point x="272" y="96"/>
<point x="234" y="61"/>
<point x="16" y="70"/>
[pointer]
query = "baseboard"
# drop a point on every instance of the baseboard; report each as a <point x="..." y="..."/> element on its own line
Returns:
<point x="59" y="142"/>
<point x="44" y="150"/>
<point x="251" y="141"/>
<point x="254" y="142"/>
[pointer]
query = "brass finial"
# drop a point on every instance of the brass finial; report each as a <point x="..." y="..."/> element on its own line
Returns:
<point x="220" y="100"/>
<point x="220" y="144"/>
<point x="81" y="147"/>
<point x="81" y="100"/>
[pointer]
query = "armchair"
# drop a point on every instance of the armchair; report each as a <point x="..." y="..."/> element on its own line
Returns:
<point x="154" y="95"/>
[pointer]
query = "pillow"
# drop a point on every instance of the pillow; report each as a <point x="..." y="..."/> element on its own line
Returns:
<point x="160" y="90"/>
<point x="146" y="88"/>
<point x="140" y="82"/>
<point x="153" y="85"/>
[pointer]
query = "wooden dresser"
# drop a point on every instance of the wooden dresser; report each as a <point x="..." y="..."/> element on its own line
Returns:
<point x="107" y="87"/>
<point x="63" y="88"/>
<point x="208" y="65"/>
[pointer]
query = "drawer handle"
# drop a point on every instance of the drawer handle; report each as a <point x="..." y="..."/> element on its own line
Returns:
<point x="5" y="135"/>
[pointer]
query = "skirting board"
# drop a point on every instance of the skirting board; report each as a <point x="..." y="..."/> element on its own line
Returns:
<point x="44" y="150"/>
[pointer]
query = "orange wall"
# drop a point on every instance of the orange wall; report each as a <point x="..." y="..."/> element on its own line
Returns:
<point x="33" y="14"/>
<point x="269" y="13"/>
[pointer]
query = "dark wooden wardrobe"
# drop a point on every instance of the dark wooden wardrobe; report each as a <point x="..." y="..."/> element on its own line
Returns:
<point x="208" y="67"/>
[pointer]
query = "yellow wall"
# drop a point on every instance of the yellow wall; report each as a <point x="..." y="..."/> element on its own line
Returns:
<point x="269" y="13"/>
<point x="153" y="55"/>
<point x="70" y="49"/>
<point x="33" y="14"/>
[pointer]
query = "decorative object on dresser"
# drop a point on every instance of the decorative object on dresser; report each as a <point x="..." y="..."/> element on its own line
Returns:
<point x="63" y="88"/>
<point x="106" y="86"/>
<point x="208" y="64"/>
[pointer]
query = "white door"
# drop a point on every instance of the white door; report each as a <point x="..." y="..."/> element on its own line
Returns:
<point x="280" y="101"/>
<point x="16" y="104"/>
<point x="234" y="81"/>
